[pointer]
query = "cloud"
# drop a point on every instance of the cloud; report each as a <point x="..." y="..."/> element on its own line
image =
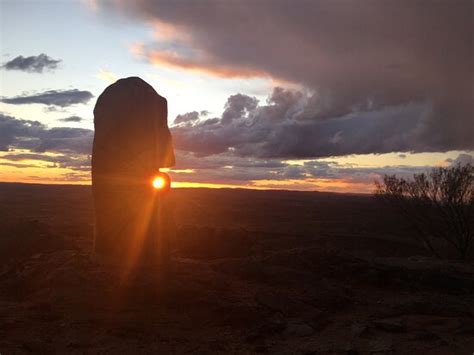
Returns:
<point x="285" y="127"/>
<point x="191" y="62"/>
<point x="363" y="64"/>
<point x="187" y="117"/>
<point x="18" y="165"/>
<point x="238" y="106"/>
<point x="71" y="119"/>
<point x="33" y="135"/>
<point x="59" y="98"/>
<point x="72" y="161"/>
<point x="33" y="64"/>
<point x="462" y="159"/>
<point x="310" y="175"/>
<point x="70" y="148"/>
<point x="65" y="139"/>
<point x="190" y="117"/>
<point x="11" y="130"/>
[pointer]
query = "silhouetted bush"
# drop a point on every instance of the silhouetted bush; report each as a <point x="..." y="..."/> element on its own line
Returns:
<point x="438" y="205"/>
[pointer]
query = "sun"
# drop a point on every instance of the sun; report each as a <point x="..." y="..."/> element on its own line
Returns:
<point x="159" y="182"/>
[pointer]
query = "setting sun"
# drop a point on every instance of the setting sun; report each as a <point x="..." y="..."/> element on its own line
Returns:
<point x="159" y="182"/>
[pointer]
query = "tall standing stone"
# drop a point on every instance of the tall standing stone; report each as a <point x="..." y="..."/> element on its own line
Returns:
<point x="132" y="141"/>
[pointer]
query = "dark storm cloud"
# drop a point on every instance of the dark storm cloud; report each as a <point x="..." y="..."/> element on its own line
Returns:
<point x="71" y="119"/>
<point x="33" y="64"/>
<point x="190" y="117"/>
<point x="281" y="129"/>
<point x="187" y="117"/>
<point x="59" y="98"/>
<point x="238" y="106"/>
<point x="360" y="60"/>
<point x="33" y="135"/>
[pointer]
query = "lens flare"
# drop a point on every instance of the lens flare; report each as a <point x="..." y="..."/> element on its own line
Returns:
<point x="159" y="182"/>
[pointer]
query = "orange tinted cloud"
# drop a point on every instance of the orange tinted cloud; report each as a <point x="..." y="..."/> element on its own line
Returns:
<point x="174" y="60"/>
<point x="164" y="31"/>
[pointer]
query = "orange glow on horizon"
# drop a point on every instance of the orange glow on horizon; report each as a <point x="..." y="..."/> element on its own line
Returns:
<point x="36" y="171"/>
<point x="327" y="186"/>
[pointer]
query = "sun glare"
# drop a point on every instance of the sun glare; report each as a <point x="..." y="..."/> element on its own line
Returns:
<point x="159" y="182"/>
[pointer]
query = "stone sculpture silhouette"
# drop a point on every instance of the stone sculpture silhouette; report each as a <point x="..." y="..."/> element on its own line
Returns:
<point x="131" y="142"/>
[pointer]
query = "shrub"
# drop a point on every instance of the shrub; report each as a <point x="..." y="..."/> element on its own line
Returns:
<point x="439" y="206"/>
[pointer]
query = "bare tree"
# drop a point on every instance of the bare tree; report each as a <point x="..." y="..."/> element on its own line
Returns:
<point x="439" y="206"/>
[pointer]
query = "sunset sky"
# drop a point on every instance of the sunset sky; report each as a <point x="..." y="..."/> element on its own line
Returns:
<point x="305" y="95"/>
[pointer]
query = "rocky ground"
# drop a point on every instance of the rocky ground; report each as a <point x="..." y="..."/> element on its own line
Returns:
<point x="253" y="272"/>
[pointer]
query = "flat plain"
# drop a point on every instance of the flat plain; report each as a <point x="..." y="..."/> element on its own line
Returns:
<point x="252" y="272"/>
